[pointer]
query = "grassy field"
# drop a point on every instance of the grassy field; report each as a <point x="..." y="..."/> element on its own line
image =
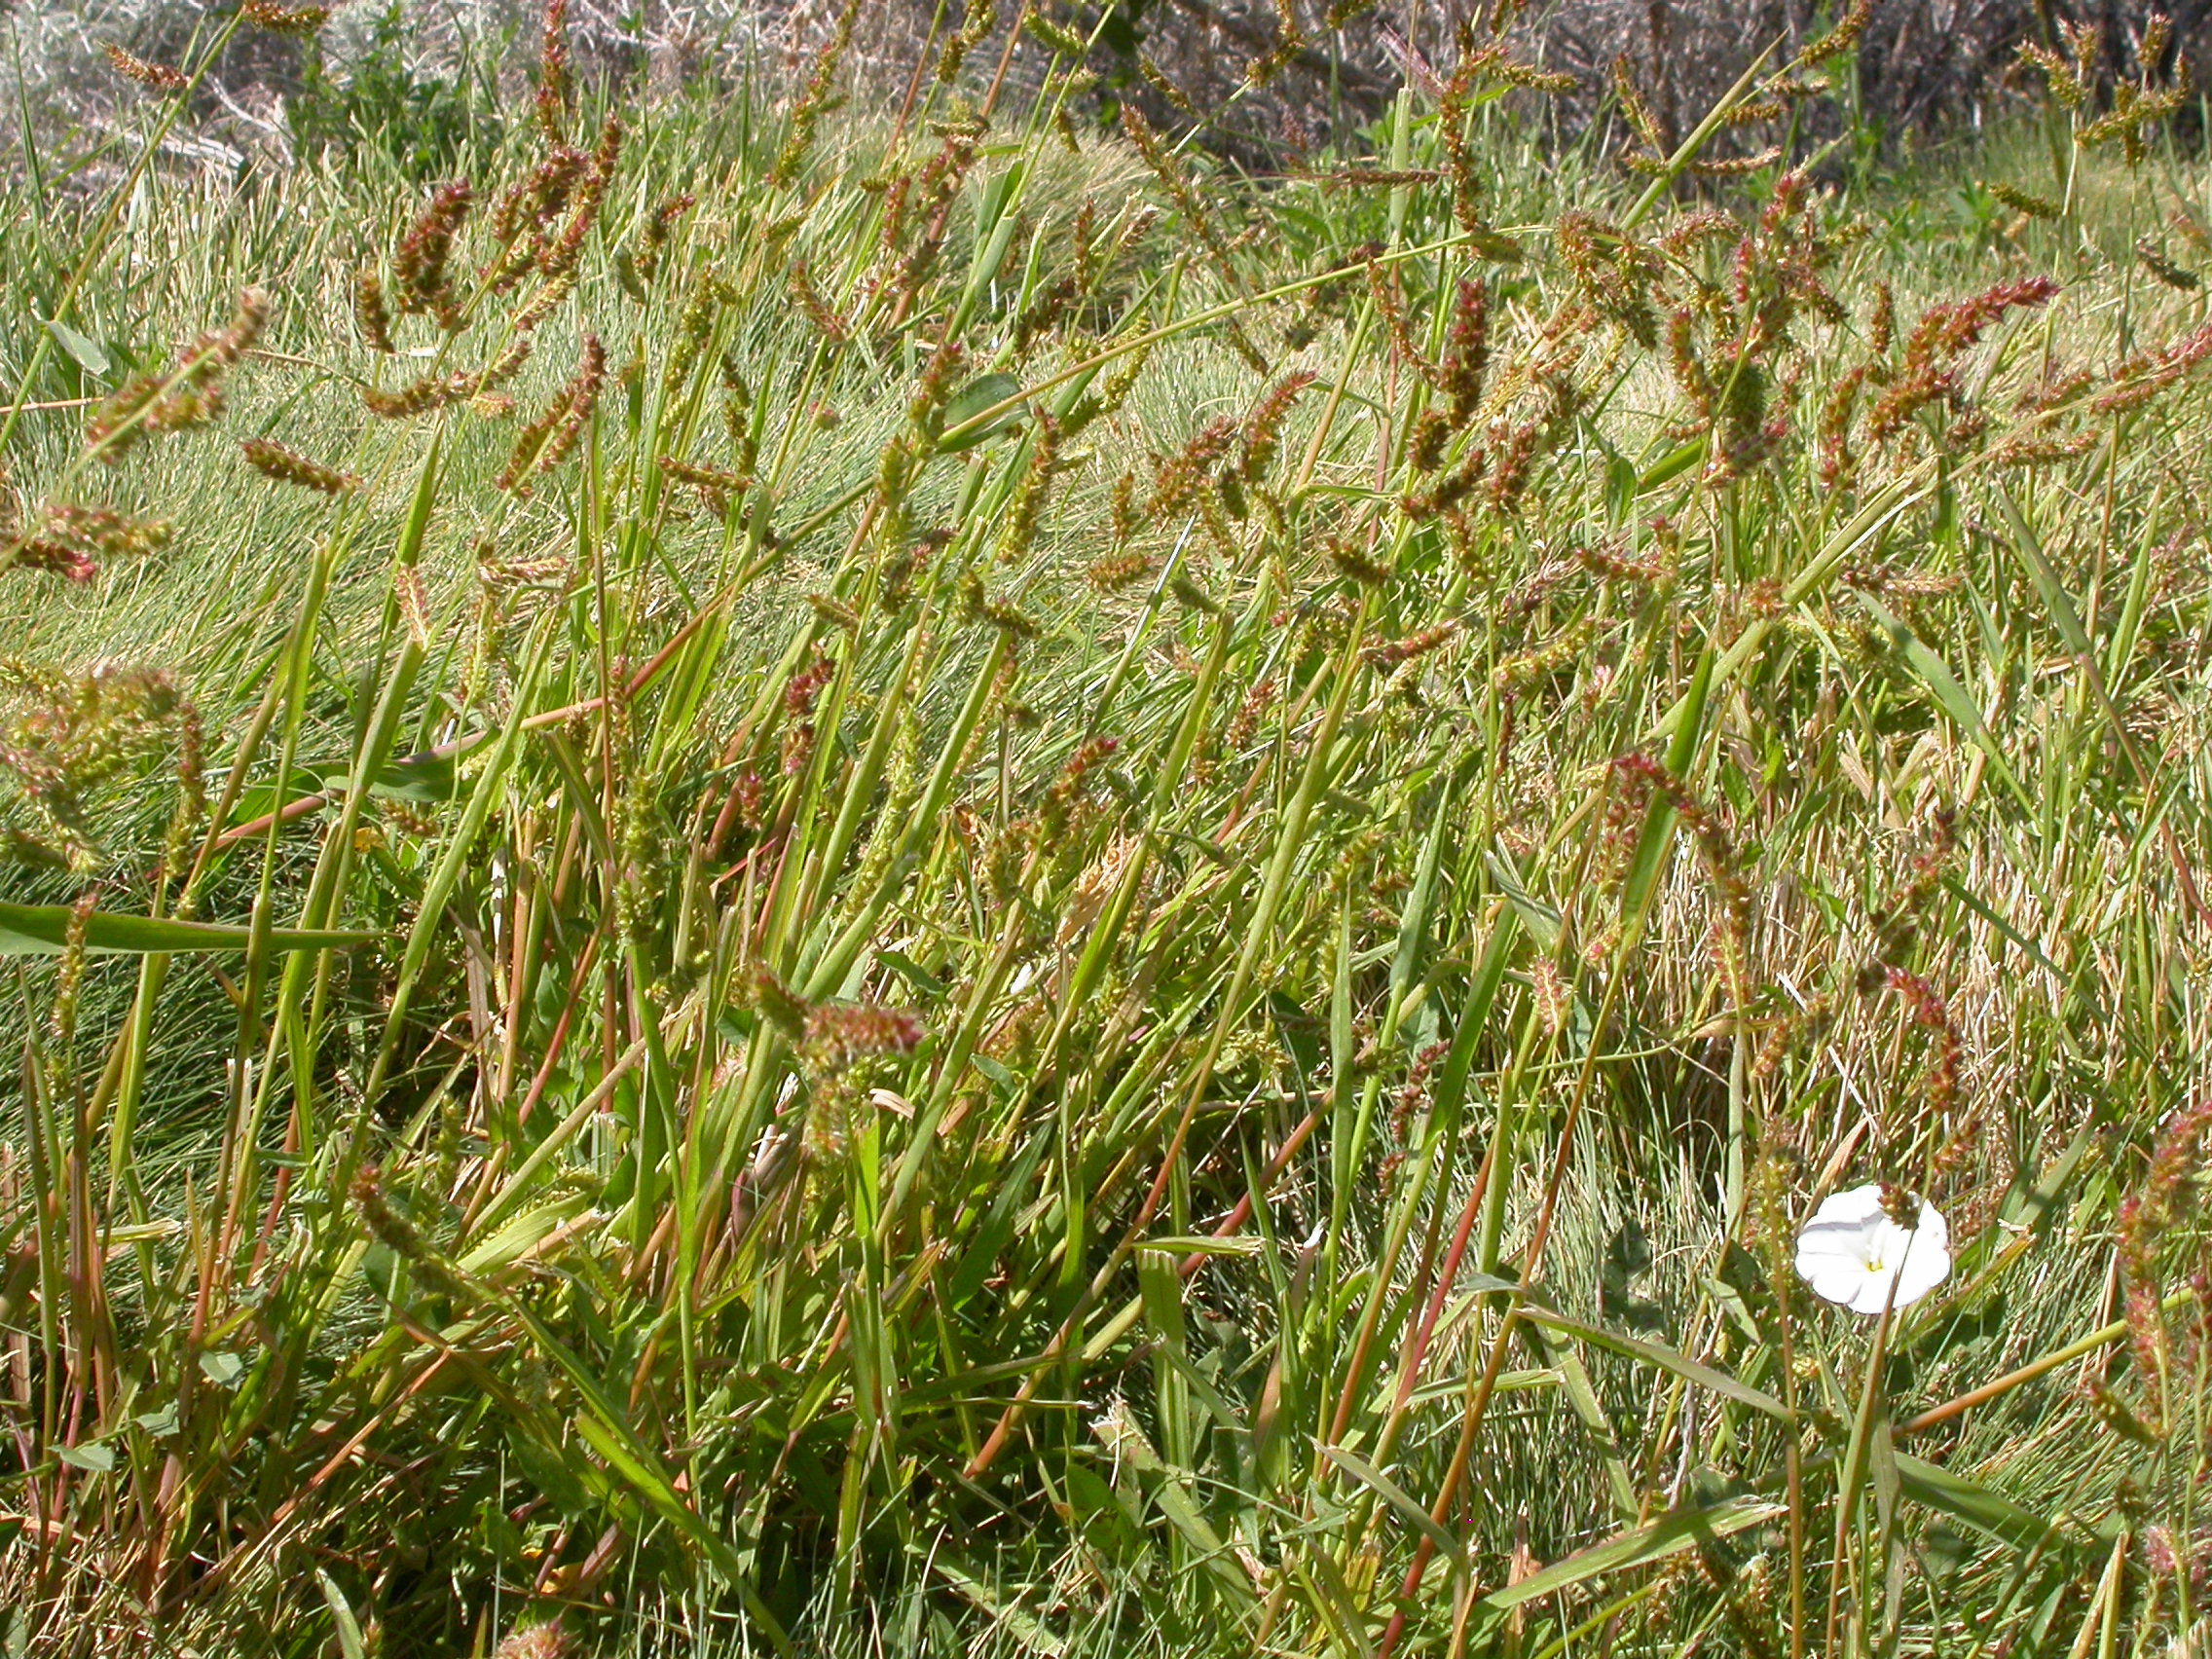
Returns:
<point x="915" y="880"/>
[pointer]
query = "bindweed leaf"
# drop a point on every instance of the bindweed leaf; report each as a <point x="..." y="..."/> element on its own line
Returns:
<point x="968" y="404"/>
<point x="914" y="973"/>
<point x="94" y="1459"/>
<point x="84" y="351"/>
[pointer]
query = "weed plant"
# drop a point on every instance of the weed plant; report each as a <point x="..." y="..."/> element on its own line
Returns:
<point x="795" y="879"/>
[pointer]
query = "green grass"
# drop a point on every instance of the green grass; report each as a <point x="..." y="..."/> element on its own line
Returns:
<point x="951" y="1054"/>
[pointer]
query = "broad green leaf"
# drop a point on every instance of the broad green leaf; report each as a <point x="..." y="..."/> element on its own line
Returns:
<point x="1206" y="1244"/>
<point x="349" y="1641"/>
<point x="1225" y="1416"/>
<point x="93" y="1458"/>
<point x="1620" y="489"/>
<point x="1494" y="245"/>
<point x="1413" y="925"/>
<point x="1540" y="919"/>
<point x="1936" y="674"/>
<point x="1582" y="1399"/>
<point x="1450" y="1087"/>
<point x="2012" y="935"/>
<point x="2053" y="592"/>
<point x="1657" y="838"/>
<point x="87" y="352"/>
<point x="525" y="1231"/>
<point x="981" y="1257"/>
<point x="649" y="1482"/>
<point x="2038" y="1204"/>
<point x="1005" y="1616"/>
<point x="1640" y="1546"/>
<point x="43" y="929"/>
<point x="1671" y="464"/>
<point x="427" y="777"/>
<point x="1661" y="1355"/>
<point x="1339" y="1609"/>
<point x="1399" y="1500"/>
<point x="1183" y="1514"/>
<point x="914" y="973"/>
<point x="446" y="874"/>
<point x="1969" y="1502"/>
<point x="1882" y="1463"/>
<point x="969" y="402"/>
<point x="601" y="1427"/>
<point x="995" y="232"/>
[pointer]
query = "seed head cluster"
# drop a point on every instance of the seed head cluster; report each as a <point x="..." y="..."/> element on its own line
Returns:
<point x="185" y="396"/>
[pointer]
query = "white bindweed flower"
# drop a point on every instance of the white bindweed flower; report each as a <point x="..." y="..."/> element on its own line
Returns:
<point x="1853" y="1251"/>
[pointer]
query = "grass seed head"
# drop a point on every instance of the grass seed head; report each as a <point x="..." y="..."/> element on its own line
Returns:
<point x="66" y="737"/>
<point x="283" y="19"/>
<point x="290" y="466"/>
<point x="552" y="100"/>
<point x="158" y="77"/>
<point x="828" y="321"/>
<point x="1611" y="562"/>
<point x="1263" y="427"/>
<point x="1390" y="655"/>
<point x="372" y="319"/>
<point x="539" y="198"/>
<point x="418" y="263"/>
<point x="102" y="533"/>
<point x="1839" y="40"/>
<point x="2155" y="1225"/>
<point x="1111" y="573"/>
<point x="546" y="441"/>
<point x="189" y="395"/>
<point x="816" y="100"/>
<point x="760" y="990"/>
<point x="1180" y="477"/>
<point x="2024" y="202"/>
<point x="1027" y="508"/>
<point x="54" y="558"/>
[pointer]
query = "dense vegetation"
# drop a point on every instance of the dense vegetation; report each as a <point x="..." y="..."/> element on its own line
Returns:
<point x="908" y="877"/>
